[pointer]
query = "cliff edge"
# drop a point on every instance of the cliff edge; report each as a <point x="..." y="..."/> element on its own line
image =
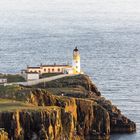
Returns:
<point x="70" y="108"/>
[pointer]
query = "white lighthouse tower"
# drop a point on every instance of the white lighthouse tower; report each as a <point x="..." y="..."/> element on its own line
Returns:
<point x="76" y="61"/>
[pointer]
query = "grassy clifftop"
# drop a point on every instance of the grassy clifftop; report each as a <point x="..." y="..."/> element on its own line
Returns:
<point x="68" y="108"/>
<point x="12" y="77"/>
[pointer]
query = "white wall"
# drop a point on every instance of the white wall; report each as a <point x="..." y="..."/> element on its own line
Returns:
<point x="32" y="76"/>
<point x="3" y="80"/>
<point x="53" y="69"/>
<point x="76" y="65"/>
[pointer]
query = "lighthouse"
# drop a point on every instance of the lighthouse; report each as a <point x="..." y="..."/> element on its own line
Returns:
<point x="76" y="61"/>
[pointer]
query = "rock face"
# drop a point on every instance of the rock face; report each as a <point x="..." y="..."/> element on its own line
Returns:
<point x="38" y="125"/>
<point x="90" y="119"/>
<point x="65" y="109"/>
<point x="119" y="123"/>
<point x="3" y="135"/>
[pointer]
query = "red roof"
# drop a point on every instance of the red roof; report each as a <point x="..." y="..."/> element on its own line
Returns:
<point x="32" y="72"/>
<point x="33" y="67"/>
<point x="39" y="67"/>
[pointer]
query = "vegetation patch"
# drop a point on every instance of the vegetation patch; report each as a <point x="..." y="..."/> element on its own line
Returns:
<point x="12" y="77"/>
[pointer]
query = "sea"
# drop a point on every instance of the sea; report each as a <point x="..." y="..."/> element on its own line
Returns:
<point x="107" y="33"/>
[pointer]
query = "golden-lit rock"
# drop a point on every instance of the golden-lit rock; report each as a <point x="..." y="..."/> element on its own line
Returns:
<point x="70" y="108"/>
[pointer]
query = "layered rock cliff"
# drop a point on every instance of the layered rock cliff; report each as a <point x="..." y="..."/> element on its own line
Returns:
<point x="70" y="108"/>
<point x="43" y="124"/>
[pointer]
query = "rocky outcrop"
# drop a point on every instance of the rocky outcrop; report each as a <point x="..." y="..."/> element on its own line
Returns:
<point x="116" y="121"/>
<point x="3" y="134"/>
<point x="119" y="123"/>
<point x="55" y="116"/>
<point x="79" y="81"/>
<point x="70" y="118"/>
<point x="89" y="118"/>
<point x="93" y="120"/>
<point x="50" y="123"/>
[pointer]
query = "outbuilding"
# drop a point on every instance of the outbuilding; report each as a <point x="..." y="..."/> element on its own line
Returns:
<point x="3" y="80"/>
<point x="68" y="71"/>
<point x="32" y="76"/>
<point x="29" y="76"/>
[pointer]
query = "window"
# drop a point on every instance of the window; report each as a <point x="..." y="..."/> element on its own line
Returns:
<point x="45" y="70"/>
<point x="48" y="70"/>
<point x="76" y="67"/>
<point x="39" y="71"/>
<point x="58" y="69"/>
<point x="52" y="70"/>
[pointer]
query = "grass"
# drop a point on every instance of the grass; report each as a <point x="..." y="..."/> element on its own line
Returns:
<point x="67" y="90"/>
<point x="70" y="92"/>
<point x="12" y="78"/>
<point x="12" y="105"/>
<point x="9" y="89"/>
<point x="6" y="105"/>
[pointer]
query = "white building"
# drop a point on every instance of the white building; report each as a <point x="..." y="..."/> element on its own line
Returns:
<point x="33" y="73"/>
<point x="3" y="80"/>
<point x="76" y="61"/>
<point x="32" y="76"/>
<point x="48" y="69"/>
<point x="68" y="70"/>
<point x="29" y="76"/>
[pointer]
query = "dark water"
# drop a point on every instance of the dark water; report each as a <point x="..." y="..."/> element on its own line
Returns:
<point x="107" y="34"/>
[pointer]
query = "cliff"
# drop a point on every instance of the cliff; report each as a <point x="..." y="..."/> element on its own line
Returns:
<point x="70" y="108"/>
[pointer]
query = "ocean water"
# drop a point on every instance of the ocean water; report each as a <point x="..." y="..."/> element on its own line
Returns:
<point x="106" y="32"/>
